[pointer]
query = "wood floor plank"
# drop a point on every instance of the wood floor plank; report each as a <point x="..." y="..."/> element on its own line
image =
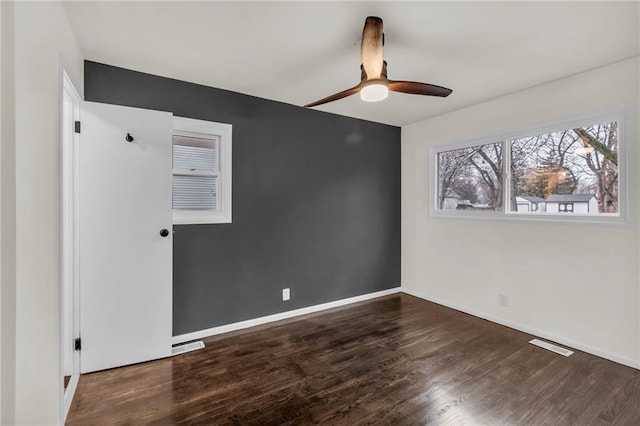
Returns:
<point x="396" y="360"/>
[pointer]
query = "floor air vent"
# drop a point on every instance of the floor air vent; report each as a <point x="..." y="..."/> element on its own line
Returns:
<point x="186" y="347"/>
<point x="550" y="347"/>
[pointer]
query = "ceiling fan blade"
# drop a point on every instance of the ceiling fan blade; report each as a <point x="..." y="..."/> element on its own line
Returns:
<point x="416" y="88"/>
<point x="371" y="48"/>
<point x="336" y="96"/>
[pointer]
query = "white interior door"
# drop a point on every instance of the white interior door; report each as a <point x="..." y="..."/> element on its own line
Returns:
<point x="125" y="262"/>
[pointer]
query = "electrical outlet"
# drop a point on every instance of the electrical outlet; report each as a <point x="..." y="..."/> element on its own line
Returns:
<point x="286" y="295"/>
<point x="503" y="300"/>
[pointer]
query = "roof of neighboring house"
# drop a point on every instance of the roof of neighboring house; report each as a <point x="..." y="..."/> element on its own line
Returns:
<point x="531" y="198"/>
<point x="570" y="198"/>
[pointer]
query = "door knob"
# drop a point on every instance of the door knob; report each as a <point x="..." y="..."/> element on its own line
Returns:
<point x="164" y="232"/>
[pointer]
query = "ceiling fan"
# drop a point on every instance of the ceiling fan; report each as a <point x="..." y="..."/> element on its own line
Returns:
<point x="374" y="85"/>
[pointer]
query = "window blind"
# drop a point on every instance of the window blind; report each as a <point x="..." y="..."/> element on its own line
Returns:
<point x="193" y="158"/>
<point x="195" y="192"/>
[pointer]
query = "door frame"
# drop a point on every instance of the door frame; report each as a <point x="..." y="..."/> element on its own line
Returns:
<point x="69" y="287"/>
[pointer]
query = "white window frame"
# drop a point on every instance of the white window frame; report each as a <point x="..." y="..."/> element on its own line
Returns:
<point x="625" y="115"/>
<point x="223" y="132"/>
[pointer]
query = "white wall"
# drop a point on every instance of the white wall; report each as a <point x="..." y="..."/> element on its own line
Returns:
<point x="7" y="218"/>
<point x="583" y="288"/>
<point x="43" y="45"/>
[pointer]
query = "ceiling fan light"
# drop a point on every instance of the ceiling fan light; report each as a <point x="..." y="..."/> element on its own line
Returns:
<point x="374" y="92"/>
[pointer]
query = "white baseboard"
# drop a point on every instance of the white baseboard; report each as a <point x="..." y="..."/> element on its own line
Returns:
<point x="529" y="330"/>
<point x="277" y="317"/>
<point x="69" y="392"/>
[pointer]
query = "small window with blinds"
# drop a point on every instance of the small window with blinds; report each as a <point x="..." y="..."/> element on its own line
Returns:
<point x="201" y="171"/>
<point x="195" y="173"/>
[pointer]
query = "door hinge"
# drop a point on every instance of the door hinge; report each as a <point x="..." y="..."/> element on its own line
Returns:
<point x="78" y="344"/>
<point x="77" y="127"/>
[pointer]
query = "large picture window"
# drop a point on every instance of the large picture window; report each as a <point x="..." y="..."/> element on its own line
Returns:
<point x="569" y="171"/>
<point x="470" y="178"/>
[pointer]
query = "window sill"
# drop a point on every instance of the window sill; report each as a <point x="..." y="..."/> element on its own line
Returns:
<point x="612" y="220"/>
<point x="195" y="217"/>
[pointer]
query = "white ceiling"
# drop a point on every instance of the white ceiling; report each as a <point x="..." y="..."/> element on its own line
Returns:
<point x="298" y="52"/>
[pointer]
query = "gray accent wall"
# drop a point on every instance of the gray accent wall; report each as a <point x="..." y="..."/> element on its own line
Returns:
<point x="316" y="203"/>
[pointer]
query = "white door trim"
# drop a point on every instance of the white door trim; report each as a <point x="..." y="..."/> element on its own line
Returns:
<point x="69" y="256"/>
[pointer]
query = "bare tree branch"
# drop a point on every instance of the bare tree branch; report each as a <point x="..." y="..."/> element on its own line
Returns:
<point x="597" y="145"/>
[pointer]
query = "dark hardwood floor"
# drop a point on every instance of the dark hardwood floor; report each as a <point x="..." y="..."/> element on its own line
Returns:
<point x="396" y="360"/>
